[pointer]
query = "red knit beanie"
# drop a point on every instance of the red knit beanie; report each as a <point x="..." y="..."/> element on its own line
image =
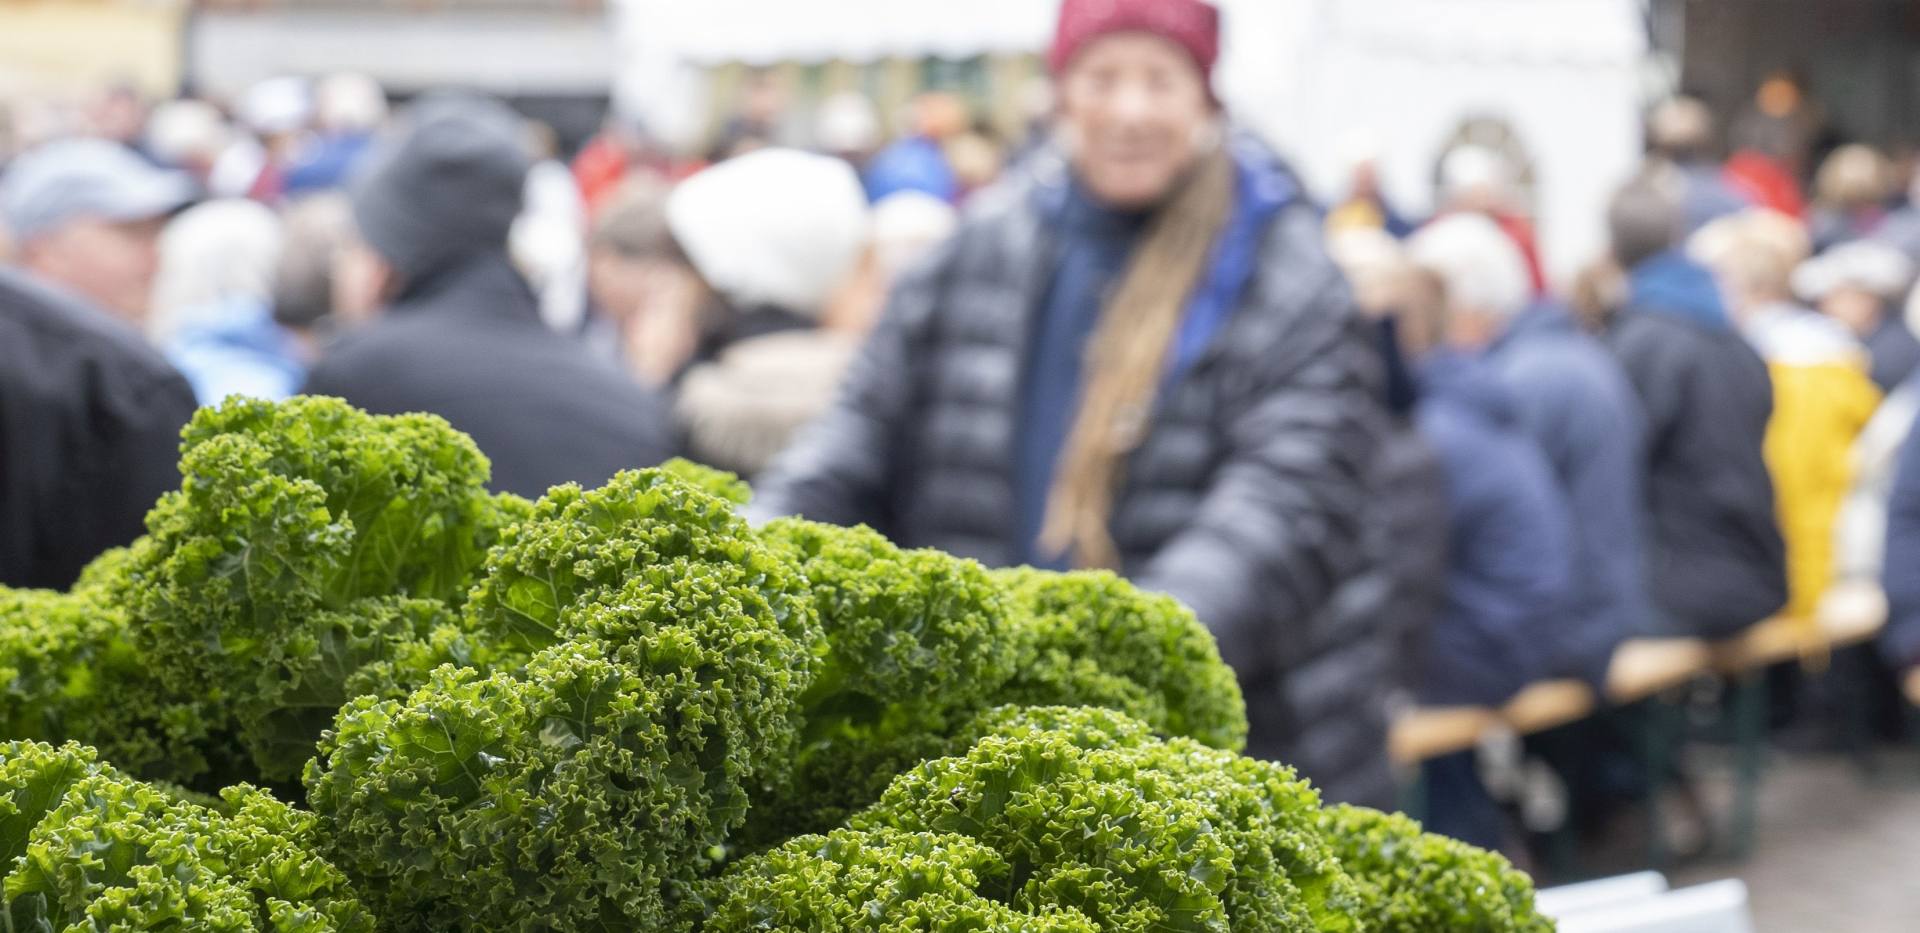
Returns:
<point x="1193" y="25"/>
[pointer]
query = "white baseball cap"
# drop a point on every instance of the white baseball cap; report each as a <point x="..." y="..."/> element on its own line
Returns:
<point x="72" y="178"/>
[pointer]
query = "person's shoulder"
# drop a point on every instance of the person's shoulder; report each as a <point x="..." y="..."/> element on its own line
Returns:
<point x="1294" y="266"/>
<point x="1294" y="280"/>
<point x="58" y="329"/>
<point x="1004" y="214"/>
<point x="1571" y="362"/>
<point x="350" y="348"/>
<point x="1643" y="339"/>
<point x="382" y="351"/>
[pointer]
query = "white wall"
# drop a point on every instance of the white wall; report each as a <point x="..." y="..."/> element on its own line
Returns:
<point x="1402" y="73"/>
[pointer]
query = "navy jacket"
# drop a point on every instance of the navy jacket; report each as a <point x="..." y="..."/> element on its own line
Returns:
<point x="1894" y="350"/>
<point x="1901" y="640"/>
<point x="1510" y="541"/>
<point x="1576" y="404"/>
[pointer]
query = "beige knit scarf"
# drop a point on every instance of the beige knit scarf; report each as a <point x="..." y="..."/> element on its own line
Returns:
<point x="1125" y="360"/>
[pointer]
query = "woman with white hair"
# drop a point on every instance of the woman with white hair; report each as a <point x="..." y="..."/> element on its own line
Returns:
<point x="1507" y="541"/>
<point x="1574" y="402"/>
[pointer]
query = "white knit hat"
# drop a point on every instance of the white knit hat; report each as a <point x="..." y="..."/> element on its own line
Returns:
<point x="777" y="227"/>
<point x="1867" y="265"/>
<point x="1483" y="270"/>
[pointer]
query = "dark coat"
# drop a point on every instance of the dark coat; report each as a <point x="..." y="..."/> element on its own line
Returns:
<point x="1247" y="498"/>
<point x="1901" y="573"/>
<point x="1894" y="351"/>
<point x="1575" y="403"/>
<point x="1410" y="547"/>
<point x="1510" y="547"/>
<point x="468" y="345"/>
<point x="1716" y="556"/>
<point x="90" y="420"/>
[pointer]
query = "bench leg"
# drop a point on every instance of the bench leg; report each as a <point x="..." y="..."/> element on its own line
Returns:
<point x="1750" y="737"/>
<point x="1853" y="676"/>
<point x="1656" y="752"/>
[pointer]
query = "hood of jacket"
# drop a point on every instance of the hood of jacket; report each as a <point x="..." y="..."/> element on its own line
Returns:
<point x="1674" y="285"/>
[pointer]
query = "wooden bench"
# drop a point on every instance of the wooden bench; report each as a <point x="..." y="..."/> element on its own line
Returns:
<point x="1548" y="704"/>
<point x="1852" y="613"/>
<point x="1771" y="642"/>
<point x="1425" y="733"/>
<point x="1645" y="667"/>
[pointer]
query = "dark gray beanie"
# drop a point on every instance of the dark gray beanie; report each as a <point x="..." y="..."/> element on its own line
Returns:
<point x="443" y="185"/>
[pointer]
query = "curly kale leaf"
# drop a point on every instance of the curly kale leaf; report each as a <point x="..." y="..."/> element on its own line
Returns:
<point x="1092" y="813"/>
<point x="87" y="848"/>
<point x="915" y="643"/>
<point x="1093" y="639"/>
<point x="591" y="790"/>
<point x="264" y="572"/>
<point x="883" y="880"/>
<point x="383" y="647"/>
<point x="578" y="544"/>
<point x="717" y="483"/>
<point x="1414" y="881"/>
<point x="69" y="670"/>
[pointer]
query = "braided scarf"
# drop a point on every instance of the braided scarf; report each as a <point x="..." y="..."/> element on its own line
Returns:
<point x="1125" y="359"/>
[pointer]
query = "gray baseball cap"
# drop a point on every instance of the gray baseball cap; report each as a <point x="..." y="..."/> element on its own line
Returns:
<point x="71" y="178"/>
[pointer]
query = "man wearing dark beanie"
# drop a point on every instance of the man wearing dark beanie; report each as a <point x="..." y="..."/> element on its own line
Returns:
<point x="461" y="335"/>
<point x="1135" y="354"/>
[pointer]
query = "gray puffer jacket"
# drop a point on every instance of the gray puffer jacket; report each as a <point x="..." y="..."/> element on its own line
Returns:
<point x="1247" y="500"/>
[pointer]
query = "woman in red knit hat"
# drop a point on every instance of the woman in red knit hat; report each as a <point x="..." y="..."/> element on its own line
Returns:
<point x="1136" y="355"/>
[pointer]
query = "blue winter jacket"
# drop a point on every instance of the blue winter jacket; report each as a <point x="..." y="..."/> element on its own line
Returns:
<point x="1576" y="404"/>
<point x="1901" y="640"/>
<point x="1509" y="542"/>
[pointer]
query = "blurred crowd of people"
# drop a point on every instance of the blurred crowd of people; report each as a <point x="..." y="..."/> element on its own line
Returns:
<point x="1379" y="456"/>
<point x="1710" y="427"/>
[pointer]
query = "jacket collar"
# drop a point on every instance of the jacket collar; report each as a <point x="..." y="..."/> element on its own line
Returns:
<point x="482" y="284"/>
<point x="1041" y="192"/>
<point x="1670" y="284"/>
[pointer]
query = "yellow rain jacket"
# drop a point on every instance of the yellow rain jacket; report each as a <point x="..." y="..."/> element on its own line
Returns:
<point x="1822" y="399"/>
